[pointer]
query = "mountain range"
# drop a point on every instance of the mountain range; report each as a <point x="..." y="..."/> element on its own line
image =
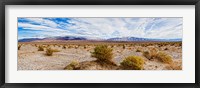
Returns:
<point x="65" y="38"/>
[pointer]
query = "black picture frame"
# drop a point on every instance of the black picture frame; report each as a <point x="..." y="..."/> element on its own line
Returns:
<point x="99" y="2"/>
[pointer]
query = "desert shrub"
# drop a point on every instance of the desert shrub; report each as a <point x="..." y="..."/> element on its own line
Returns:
<point x="85" y="47"/>
<point x="151" y="54"/>
<point x="164" y="57"/>
<point x="64" y="47"/>
<point x="40" y="48"/>
<point x="49" y="51"/>
<point x="166" y="49"/>
<point x="19" y="46"/>
<point x="70" y="46"/>
<point x="72" y="66"/>
<point x="147" y="54"/>
<point x="132" y="63"/>
<point x="103" y="53"/>
<point x="55" y="50"/>
<point x="76" y="47"/>
<point x="138" y="50"/>
<point x="124" y="46"/>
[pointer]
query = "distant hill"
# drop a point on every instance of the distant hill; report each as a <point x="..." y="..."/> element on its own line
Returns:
<point x="82" y="38"/>
<point x="141" y="39"/>
<point x="52" y="38"/>
<point x="29" y="39"/>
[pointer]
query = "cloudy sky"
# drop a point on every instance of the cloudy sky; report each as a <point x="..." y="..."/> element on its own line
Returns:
<point x="101" y="28"/>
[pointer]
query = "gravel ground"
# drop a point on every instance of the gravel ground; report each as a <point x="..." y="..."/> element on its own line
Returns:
<point x="29" y="58"/>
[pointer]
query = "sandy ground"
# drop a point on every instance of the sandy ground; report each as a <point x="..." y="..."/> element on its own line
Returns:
<point x="29" y="58"/>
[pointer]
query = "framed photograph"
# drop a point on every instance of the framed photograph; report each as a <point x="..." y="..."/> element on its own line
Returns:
<point x="95" y="43"/>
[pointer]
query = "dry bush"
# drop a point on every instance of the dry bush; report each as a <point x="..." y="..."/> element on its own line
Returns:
<point x="151" y="54"/>
<point x="132" y="63"/>
<point x="19" y="46"/>
<point x="138" y="50"/>
<point x="154" y="51"/>
<point x="166" y="49"/>
<point x="40" y="48"/>
<point x="176" y="65"/>
<point x="70" y="46"/>
<point x="49" y="51"/>
<point x="85" y="47"/>
<point x="147" y="55"/>
<point x="103" y="53"/>
<point x="124" y="47"/>
<point x="55" y="50"/>
<point x="164" y="57"/>
<point x="72" y="66"/>
<point x="64" y="47"/>
<point x="54" y="45"/>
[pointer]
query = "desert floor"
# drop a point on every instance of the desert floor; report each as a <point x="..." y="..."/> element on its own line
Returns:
<point x="29" y="58"/>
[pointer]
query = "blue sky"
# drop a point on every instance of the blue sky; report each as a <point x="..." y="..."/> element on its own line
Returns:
<point x="101" y="28"/>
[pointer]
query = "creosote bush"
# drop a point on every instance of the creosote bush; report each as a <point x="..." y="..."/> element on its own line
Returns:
<point x="124" y="46"/>
<point x="151" y="54"/>
<point x="64" y="47"/>
<point x="72" y="66"/>
<point x="40" y="48"/>
<point x="103" y="53"/>
<point x="49" y="51"/>
<point x="70" y="46"/>
<point x="147" y="55"/>
<point x="164" y="57"/>
<point x="85" y="47"/>
<point x="138" y="50"/>
<point x="132" y="63"/>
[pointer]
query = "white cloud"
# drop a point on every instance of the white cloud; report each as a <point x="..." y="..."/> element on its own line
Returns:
<point x="106" y="27"/>
<point x="42" y="21"/>
<point x="109" y="27"/>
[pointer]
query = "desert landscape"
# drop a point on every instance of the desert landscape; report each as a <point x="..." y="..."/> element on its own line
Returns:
<point x="33" y="55"/>
<point x="99" y="43"/>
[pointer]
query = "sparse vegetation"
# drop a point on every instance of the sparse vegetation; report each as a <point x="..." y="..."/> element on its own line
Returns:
<point x="40" y="48"/>
<point x="103" y="53"/>
<point x="138" y="50"/>
<point x="70" y="46"/>
<point x="76" y="47"/>
<point x="166" y="49"/>
<point x="85" y="47"/>
<point x="72" y="66"/>
<point x="164" y="57"/>
<point x="49" y="51"/>
<point x="147" y="54"/>
<point x="64" y="47"/>
<point x="132" y="63"/>
<point x="124" y="46"/>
